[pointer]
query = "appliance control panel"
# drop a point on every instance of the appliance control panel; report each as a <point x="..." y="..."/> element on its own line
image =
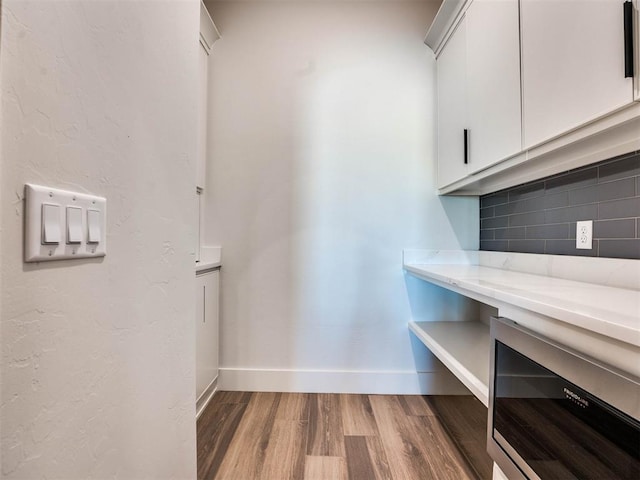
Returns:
<point x="60" y="224"/>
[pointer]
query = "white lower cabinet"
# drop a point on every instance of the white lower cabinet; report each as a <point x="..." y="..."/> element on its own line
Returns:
<point x="207" y="321"/>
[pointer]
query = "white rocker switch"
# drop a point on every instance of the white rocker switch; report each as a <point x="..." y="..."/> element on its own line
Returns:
<point x="93" y="224"/>
<point x="50" y="224"/>
<point x="74" y="225"/>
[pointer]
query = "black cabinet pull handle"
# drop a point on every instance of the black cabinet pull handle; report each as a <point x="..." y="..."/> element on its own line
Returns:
<point x="628" y="39"/>
<point x="466" y="146"/>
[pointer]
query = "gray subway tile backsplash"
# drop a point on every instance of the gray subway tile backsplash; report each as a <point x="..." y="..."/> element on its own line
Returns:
<point x="494" y="199"/>
<point x="487" y="212"/>
<point x="625" y="228"/>
<point x="622" y="167"/>
<point x="541" y="216"/>
<point x="620" y="248"/>
<point x="570" y="180"/>
<point x="521" y="220"/>
<point x="526" y="246"/>
<point x="568" y="247"/>
<point x="514" y="233"/>
<point x="494" y="245"/>
<point x="556" y="200"/>
<point x="580" y="196"/>
<point x="530" y="190"/>
<point x="624" y="188"/>
<point x="495" y="222"/>
<point x="627" y="208"/>
<point x="519" y="206"/>
<point x="566" y="214"/>
<point x="487" y="234"/>
<point x="543" y="232"/>
<point x="602" y="192"/>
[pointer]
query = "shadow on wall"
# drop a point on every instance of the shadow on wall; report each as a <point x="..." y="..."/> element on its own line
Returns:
<point x="452" y="207"/>
<point x="332" y="144"/>
<point x="359" y="193"/>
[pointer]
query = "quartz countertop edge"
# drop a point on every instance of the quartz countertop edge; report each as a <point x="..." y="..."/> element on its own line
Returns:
<point x="202" y="266"/>
<point x="210" y="258"/>
<point x="610" y="311"/>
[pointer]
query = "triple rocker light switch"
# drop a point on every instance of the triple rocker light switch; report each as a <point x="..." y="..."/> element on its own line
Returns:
<point x="61" y="224"/>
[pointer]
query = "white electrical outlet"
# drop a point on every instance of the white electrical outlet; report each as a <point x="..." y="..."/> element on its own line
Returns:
<point x="584" y="235"/>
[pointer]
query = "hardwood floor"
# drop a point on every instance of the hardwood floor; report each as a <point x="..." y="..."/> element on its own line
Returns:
<point x="278" y="436"/>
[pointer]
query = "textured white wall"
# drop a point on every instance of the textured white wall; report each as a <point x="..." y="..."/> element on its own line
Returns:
<point x="322" y="170"/>
<point x="97" y="369"/>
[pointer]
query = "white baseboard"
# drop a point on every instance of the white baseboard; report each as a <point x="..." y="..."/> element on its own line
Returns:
<point x="321" y="381"/>
<point x="207" y="395"/>
<point x="497" y="473"/>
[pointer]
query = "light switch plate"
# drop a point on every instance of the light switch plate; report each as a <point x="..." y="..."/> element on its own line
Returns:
<point x="34" y="248"/>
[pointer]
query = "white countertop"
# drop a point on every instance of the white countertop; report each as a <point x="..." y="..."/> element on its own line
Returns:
<point x="210" y="258"/>
<point x="202" y="266"/>
<point x="610" y="311"/>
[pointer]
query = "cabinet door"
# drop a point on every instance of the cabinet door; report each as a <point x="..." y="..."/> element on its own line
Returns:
<point x="572" y="64"/>
<point x="493" y="82"/>
<point x="201" y="161"/>
<point x="207" y="316"/>
<point x="452" y="111"/>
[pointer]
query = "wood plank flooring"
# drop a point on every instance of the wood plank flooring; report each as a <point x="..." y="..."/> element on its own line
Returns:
<point x="278" y="436"/>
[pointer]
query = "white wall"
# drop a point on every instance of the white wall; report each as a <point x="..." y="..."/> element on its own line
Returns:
<point x="97" y="369"/>
<point x="322" y="135"/>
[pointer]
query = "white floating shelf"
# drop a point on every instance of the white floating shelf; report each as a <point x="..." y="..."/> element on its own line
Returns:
<point x="463" y="347"/>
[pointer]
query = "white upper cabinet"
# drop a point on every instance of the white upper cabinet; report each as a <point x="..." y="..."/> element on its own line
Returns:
<point x="452" y="107"/>
<point x="208" y="35"/>
<point x="201" y="169"/>
<point x="539" y="87"/>
<point x="493" y="82"/>
<point x="573" y="64"/>
<point x="478" y="69"/>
